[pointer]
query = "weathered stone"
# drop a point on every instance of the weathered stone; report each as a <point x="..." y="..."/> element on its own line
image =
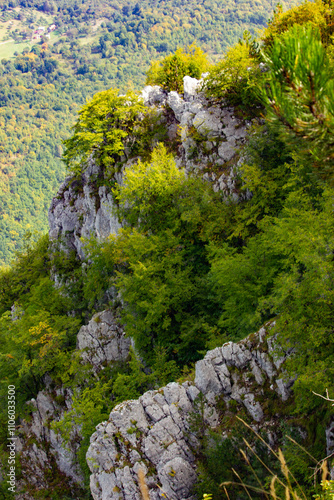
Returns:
<point x="79" y="211"/>
<point x="253" y="407"/>
<point x="257" y="373"/>
<point x="227" y="150"/>
<point x="282" y="389"/>
<point x="236" y="355"/>
<point x="206" y="379"/>
<point x="103" y="340"/>
<point x="265" y="364"/>
<point x="153" y="95"/>
<point x="207" y="122"/>
<point x="166" y="438"/>
<point x="177" y="104"/>
<point x="330" y="443"/>
<point x="177" y="478"/>
<point x="190" y="87"/>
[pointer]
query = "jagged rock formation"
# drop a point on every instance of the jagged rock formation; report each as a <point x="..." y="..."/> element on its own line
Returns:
<point x="155" y="433"/>
<point x="330" y="444"/>
<point x="208" y="136"/>
<point x="81" y="209"/>
<point x="42" y="450"/>
<point x="103" y="341"/>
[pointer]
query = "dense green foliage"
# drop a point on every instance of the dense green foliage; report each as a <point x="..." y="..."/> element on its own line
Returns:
<point x="169" y="72"/>
<point x="36" y="330"/>
<point x="100" y="133"/>
<point x="96" y="45"/>
<point x="192" y="268"/>
<point x="236" y="78"/>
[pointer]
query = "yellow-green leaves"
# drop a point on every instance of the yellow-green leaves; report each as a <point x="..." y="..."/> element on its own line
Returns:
<point x="144" y="184"/>
<point x="235" y="78"/>
<point x="169" y="72"/>
<point x="104" y="124"/>
<point x="316" y="14"/>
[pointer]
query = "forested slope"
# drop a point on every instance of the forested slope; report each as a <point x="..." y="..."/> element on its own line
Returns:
<point x="95" y="45"/>
<point x="223" y="195"/>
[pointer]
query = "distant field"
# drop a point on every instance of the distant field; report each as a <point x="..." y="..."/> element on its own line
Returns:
<point x="9" y="47"/>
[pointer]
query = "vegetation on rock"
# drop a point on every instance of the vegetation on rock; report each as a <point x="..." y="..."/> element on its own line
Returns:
<point x="47" y="75"/>
<point x="192" y="268"/>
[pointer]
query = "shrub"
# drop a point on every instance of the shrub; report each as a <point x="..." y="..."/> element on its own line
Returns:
<point x="104" y="124"/>
<point x="235" y="79"/>
<point x="169" y="72"/>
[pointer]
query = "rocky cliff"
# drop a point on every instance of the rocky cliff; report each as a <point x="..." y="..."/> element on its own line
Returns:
<point x="155" y="432"/>
<point x="207" y="139"/>
<point x="45" y="456"/>
<point x="204" y="136"/>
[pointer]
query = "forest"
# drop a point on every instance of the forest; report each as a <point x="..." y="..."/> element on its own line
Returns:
<point x="193" y="269"/>
<point x="95" y="46"/>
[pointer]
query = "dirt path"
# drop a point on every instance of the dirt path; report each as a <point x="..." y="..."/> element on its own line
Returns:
<point x="10" y="40"/>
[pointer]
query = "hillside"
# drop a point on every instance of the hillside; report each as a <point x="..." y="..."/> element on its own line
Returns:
<point x="178" y="317"/>
<point x="55" y="55"/>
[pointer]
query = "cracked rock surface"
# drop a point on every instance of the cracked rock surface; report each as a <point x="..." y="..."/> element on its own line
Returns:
<point x="103" y="340"/>
<point x="42" y="450"/>
<point x="209" y="136"/>
<point x="155" y="432"/>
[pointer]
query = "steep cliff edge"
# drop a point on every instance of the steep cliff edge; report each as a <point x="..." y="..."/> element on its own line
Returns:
<point x="44" y="454"/>
<point x="206" y="139"/>
<point x="155" y="432"/>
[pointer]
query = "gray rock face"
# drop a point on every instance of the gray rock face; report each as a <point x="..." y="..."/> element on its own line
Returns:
<point x="210" y="135"/>
<point x="191" y="86"/>
<point x="153" y="95"/>
<point x="47" y="451"/>
<point x="155" y="432"/>
<point x="330" y="444"/>
<point x="103" y="340"/>
<point x="81" y="210"/>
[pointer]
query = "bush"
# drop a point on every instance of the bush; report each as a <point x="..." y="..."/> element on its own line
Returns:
<point x="169" y="72"/>
<point x="236" y="78"/>
<point x="104" y="124"/>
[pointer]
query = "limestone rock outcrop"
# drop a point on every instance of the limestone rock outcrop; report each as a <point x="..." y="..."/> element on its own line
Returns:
<point x="81" y="209"/>
<point x="155" y="432"/>
<point x="103" y="340"/>
<point x="42" y="450"/>
<point x="207" y="139"/>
